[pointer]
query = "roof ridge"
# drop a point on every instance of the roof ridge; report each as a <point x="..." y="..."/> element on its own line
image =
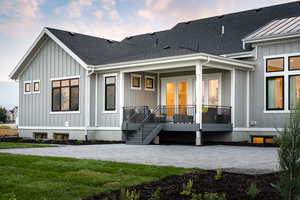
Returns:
<point x="93" y="36"/>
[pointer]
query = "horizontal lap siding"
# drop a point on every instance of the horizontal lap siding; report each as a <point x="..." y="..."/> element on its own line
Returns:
<point x="267" y="120"/>
<point x="50" y="62"/>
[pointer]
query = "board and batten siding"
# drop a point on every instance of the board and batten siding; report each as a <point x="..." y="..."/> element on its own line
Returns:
<point x="267" y="120"/>
<point x="140" y="97"/>
<point x="111" y="119"/>
<point x="240" y="99"/>
<point x="50" y="62"/>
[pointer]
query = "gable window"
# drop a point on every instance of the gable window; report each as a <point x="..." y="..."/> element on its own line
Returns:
<point x="294" y="87"/>
<point x="110" y="93"/>
<point x="149" y="83"/>
<point x="275" y="93"/>
<point x="136" y="81"/>
<point x="36" y="86"/>
<point x="65" y="95"/>
<point x="275" y="64"/>
<point x="27" y="87"/>
<point x="294" y="63"/>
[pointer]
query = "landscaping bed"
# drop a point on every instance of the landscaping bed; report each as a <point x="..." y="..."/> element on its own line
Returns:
<point x="64" y="142"/>
<point x="234" y="186"/>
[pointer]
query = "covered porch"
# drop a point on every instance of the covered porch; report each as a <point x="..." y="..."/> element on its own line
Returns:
<point x="183" y="96"/>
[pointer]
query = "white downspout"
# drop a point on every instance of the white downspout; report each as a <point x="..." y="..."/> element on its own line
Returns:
<point x="87" y="102"/>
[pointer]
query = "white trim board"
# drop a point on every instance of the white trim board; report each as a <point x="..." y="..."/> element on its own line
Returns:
<point x="67" y="128"/>
<point x="256" y="129"/>
<point x="44" y="32"/>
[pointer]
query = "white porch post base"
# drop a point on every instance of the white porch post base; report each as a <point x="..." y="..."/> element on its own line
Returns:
<point x="156" y="140"/>
<point x="198" y="138"/>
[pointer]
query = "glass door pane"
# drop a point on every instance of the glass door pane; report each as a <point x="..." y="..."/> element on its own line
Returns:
<point x="213" y="92"/>
<point x="182" y="97"/>
<point x="171" y="89"/>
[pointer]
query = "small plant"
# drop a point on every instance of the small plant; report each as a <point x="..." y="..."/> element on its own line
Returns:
<point x="197" y="197"/>
<point x="289" y="157"/>
<point x="187" y="188"/>
<point x="218" y="175"/>
<point x="253" y="191"/>
<point x="129" y="195"/>
<point x="156" y="194"/>
<point x="214" y="196"/>
<point x="12" y="196"/>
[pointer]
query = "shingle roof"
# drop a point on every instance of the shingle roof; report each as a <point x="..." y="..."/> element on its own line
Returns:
<point x="203" y="35"/>
<point x="277" y="28"/>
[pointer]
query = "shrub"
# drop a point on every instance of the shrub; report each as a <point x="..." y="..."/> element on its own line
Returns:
<point x="253" y="191"/>
<point x="3" y="116"/>
<point x="187" y="188"/>
<point x="156" y="194"/>
<point x="289" y="157"/>
<point x="197" y="197"/>
<point x="218" y="175"/>
<point x="129" y="195"/>
<point x="214" y="196"/>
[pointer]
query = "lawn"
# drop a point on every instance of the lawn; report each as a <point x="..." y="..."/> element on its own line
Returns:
<point x="12" y="145"/>
<point x="44" y="178"/>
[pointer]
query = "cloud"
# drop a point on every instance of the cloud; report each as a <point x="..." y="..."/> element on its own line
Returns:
<point x="110" y="7"/>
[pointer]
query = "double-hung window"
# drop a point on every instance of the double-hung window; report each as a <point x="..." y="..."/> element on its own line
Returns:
<point x="65" y="95"/>
<point x="110" y="93"/>
<point x="282" y="72"/>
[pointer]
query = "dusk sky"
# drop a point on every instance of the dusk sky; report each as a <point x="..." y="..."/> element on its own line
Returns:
<point x="22" y="20"/>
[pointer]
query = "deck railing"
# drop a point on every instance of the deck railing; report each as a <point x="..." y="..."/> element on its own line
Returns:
<point x="177" y="114"/>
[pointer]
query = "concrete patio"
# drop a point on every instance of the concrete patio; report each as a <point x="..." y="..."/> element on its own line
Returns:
<point x="205" y="157"/>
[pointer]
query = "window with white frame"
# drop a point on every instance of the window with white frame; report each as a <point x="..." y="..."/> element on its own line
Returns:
<point x="110" y="93"/>
<point x="27" y="87"/>
<point x="136" y="81"/>
<point x="149" y="83"/>
<point x="36" y="86"/>
<point x="282" y="75"/>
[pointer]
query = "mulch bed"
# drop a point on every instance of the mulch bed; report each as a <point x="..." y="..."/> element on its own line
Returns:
<point x="63" y="142"/>
<point x="233" y="185"/>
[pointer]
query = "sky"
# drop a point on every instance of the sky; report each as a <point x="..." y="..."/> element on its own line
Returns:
<point x="21" y="21"/>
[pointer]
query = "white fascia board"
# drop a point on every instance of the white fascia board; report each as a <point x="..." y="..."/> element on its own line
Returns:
<point x="246" y="54"/>
<point x="191" y="57"/>
<point x="45" y="31"/>
<point x="258" y="40"/>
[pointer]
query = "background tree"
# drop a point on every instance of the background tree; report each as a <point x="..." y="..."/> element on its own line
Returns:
<point x="289" y="157"/>
<point x="3" y="115"/>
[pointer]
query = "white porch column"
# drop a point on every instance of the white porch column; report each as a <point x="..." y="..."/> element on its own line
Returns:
<point x="158" y="88"/>
<point x="121" y="97"/>
<point x="233" y="97"/>
<point x="199" y="102"/>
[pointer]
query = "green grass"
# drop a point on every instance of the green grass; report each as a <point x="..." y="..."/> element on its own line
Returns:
<point x="12" y="145"/>
<point x="41" y="178"/>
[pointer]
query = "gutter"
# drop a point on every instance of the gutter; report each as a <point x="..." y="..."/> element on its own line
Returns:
<point x="190" y="57"/>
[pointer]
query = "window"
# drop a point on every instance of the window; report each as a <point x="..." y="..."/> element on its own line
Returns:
<point x="27" y="87"/>
<point x="60" y="136"/>
<point x="36" y="86"/>
<point x="110" y="93"/>
<point x="275" y="93"/>
<point x="39" y="136"/>
<point x="294" y="63"/>
<point x="149" y="83"/>
<point x="294" y="87"/>
<point x="65" y="95"/>
<point x="136" y="81"/>
<point x="262" y="140"/>
<point x="275" y="64"/>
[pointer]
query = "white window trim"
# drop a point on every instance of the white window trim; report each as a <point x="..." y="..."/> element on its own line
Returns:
<point x="116" y="109"/>
<point x="26" y="82"/>
<point x="285" y="73"/>
<point x="64" y="112"/>
<point x="33" y="82"/>
<point x="131" y="81"/>
<point x="149" y="89"/>
<point x="206" y="77"/>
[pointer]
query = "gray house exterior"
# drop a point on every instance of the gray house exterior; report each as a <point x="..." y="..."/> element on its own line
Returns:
<point x="224" y="78"/>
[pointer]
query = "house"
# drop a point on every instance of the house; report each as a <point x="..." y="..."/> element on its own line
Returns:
<point x="233" y="77"/>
